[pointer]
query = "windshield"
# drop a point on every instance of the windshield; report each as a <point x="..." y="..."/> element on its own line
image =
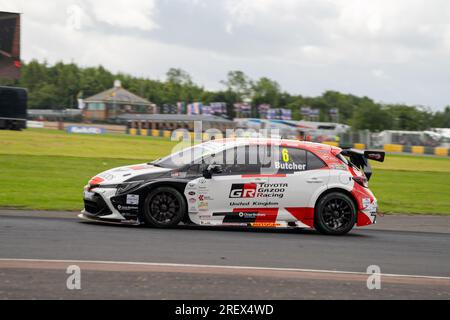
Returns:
<point x="188" y="156"/>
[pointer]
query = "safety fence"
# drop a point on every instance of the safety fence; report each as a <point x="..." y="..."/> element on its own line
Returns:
<point x="168" y="134"/>
<point x="391" y="148"/>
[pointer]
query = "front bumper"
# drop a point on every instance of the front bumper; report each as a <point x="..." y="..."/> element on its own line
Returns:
<point x="90" y="217"/>
<point x="98" y="206"/>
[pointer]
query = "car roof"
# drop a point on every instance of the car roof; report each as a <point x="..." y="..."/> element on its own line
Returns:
<point x="310" y="146"/>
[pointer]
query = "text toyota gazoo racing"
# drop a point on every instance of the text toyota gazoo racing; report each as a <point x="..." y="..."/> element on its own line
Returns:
<point x="241" y="182"/>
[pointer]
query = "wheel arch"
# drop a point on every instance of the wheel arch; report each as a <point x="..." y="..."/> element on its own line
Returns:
<point x="340" y="190"/>
<point x="180" y="186"/>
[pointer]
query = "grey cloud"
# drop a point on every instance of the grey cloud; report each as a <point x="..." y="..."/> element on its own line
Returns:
<point x="308" y="46"/>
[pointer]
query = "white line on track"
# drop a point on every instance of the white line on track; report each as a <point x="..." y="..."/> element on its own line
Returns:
<point x="154" y="264"/>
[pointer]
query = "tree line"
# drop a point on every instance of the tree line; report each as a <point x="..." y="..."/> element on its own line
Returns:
<point x="59" y="86"/>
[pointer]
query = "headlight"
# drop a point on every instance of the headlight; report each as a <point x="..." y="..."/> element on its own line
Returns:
<point x="126" y="187"/>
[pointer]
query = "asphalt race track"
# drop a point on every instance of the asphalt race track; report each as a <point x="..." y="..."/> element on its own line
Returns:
<point x="119" y="262"/>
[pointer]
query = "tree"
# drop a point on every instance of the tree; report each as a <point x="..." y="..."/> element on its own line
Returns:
<point x="44" y="97"/>
<point x="60" y="85"/>
<point x="178" y="77"/>
<point x="34" y="74"/>
<point x="442" y="119"/>
<point x="240" y="84"/>
<point x="266" y="91"/>
<point x="370" y="116"/>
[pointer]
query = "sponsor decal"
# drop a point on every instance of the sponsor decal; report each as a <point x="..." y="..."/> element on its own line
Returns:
<point x="247" y="190"/>
<point x="248" y="216"/>
<point x="127" y="208"/>
<point x="192" y="200"/>
<point x="374" y="156"/>
<point x="85" y="130"/>
<point x="247" y="204"/>
<point x="339" y="167"/>
<point x="370" y="208"/>
<point x="133" y="199"/>
<point x="201" y="197"/>
<point x="265" y="225"/>
<point x="366" y="202"/>
<point x="203" y="206"/>
<point x="261" y="190"/>
<point x="202" y="185"/>
<point x="35" y="124"/>
<point x="192" y="193"/>
<point x="290" y="166"/>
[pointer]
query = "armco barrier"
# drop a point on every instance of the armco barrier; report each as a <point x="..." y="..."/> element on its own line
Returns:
<point x="393" y="148"/>
<point x="443" y="152"/>
<point x="418" y="150"/>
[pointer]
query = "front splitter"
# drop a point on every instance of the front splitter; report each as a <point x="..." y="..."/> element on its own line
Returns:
<point x="108" y="221"/>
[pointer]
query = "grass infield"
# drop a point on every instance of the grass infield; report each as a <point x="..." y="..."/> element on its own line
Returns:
<point x="46" y="170"/>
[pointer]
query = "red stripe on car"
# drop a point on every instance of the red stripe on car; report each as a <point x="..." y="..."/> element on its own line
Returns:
<point x="96" y="180"/>
<point x="304" y="215"/>
<point x="139" y="168"/>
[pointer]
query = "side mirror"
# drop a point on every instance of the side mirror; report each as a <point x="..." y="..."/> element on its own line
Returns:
<point x="212" y="169"/>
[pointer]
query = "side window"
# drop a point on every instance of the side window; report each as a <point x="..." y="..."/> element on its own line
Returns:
<point x="246" y="160"/>
<point x="291" y="160"/>
<point x="194" y="170"/>
<point x="314" y="162"/>
<point x="237" y="161"/>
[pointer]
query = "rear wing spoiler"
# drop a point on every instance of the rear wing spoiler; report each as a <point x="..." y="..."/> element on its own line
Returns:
<point x="360" y="158"/>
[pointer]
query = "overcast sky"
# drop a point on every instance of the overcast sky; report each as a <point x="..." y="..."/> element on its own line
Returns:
<point x="390" y="50"/>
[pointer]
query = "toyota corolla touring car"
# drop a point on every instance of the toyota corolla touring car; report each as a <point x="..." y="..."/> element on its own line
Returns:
<point x="255" y="183"/>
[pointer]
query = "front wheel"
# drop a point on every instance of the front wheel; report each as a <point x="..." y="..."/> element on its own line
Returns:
<point x="164" y="208"/>
<point x="335" y="214"/>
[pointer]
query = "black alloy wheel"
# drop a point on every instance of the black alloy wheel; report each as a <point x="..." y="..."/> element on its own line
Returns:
<point x="165" y="207"/>
<point x="335" y="214"/>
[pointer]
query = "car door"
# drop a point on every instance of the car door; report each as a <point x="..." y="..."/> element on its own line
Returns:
<point x="300" y="175"/>
<point x="231" y="197"/>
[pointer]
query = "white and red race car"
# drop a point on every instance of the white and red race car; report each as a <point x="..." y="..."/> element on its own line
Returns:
<point x="256" y="183"/>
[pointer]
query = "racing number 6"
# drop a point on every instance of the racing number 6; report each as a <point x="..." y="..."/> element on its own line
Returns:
<point x="285" y="154"/>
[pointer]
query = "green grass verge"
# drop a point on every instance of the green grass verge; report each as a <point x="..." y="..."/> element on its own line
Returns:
<point x="411" y="192"/>
<point x="49" y="182"/>
<point x="59" y="143"/>
<point x="46" y="170"/>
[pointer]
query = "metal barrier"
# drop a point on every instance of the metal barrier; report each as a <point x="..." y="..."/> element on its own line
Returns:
<point x="395" y="148"/>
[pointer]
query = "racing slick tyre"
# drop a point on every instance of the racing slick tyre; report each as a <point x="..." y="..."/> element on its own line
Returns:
<point x="165" y="207"/>
<point x="335" y="214"/>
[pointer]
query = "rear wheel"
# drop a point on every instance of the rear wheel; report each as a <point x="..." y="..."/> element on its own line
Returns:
<point x="335" y="214"/>
<point x="164" y="208"/>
